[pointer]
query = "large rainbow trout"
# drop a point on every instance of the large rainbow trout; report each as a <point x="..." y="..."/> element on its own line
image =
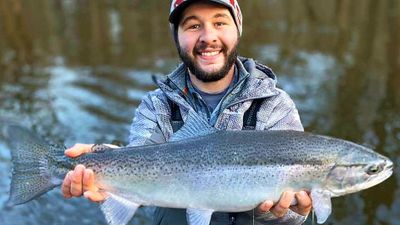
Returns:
<point x="203" y="170"/>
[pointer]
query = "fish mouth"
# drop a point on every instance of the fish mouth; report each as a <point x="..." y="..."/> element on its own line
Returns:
<point x="389" y="165"/>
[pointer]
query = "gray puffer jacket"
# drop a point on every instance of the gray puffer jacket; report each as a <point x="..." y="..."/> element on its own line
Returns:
<point x="152" y="123"/>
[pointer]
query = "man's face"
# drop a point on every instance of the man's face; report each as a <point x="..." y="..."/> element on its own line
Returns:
<point x="207" y="39"/>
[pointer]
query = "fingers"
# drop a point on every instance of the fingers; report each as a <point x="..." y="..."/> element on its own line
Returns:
<point x="66" y="186"/>
<point x="282" y="206"/>
<point x="76" y="181"/>
<point x="88" y="181"/>
<point x="91" y="191"/>
<point x="265" y="207"/>
<point x="304" y="203"/>
<point x="78" y="149"/>
<point x="81" y="181"/>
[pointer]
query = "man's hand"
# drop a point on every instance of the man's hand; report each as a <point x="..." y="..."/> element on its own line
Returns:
<point x="80" y="181"/>
<point x="303" y="206"/>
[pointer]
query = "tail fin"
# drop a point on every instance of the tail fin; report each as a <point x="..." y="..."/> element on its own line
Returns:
<point x="32" y="159"/>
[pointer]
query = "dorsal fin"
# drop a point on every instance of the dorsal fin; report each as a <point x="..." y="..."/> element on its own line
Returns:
<point x="194" y="126"/>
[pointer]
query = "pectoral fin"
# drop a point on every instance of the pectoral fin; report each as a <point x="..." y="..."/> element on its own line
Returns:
<point x="321" y="200"/>
<point x="118" y="210"/>
<point x="198" y="216"/>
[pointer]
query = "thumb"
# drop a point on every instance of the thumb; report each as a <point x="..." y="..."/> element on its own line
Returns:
<point x="94" y="196"/>
<point x="78" y="149"/>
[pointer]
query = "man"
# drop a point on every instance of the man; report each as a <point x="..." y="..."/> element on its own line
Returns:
<point x="220" y="87"/>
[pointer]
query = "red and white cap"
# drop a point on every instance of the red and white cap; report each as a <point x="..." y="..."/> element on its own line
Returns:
<point x="177" y="7"/>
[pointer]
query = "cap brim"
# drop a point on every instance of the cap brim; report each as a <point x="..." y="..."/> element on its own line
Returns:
<point x="175" y="15"/>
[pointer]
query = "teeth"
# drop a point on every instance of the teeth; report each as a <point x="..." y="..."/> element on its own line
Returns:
<point x="210" y="53"/>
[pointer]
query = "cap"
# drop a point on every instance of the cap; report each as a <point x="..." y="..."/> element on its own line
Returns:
<point x="177" y="7"/>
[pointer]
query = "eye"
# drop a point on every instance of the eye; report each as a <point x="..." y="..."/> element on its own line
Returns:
<point x="374" y="169"/>
<point x="194" y="27"/>
<point x="219" y="24"/>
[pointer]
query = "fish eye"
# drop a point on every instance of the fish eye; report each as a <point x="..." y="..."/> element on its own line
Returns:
<point x="374" y="169"/>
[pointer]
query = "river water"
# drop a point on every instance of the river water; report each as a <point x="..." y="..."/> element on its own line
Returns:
<point x="74" y="71"/>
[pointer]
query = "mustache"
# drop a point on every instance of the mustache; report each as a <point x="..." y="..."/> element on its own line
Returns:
<point x="203" y="46"/>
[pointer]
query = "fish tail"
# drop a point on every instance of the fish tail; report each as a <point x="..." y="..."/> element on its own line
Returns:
<point x="34" y="163"/>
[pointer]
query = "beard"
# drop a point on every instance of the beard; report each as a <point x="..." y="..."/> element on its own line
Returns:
<point x="194" y="68"/>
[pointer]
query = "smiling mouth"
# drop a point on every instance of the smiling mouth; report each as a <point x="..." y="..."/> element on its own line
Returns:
<point x="213" y="53"/>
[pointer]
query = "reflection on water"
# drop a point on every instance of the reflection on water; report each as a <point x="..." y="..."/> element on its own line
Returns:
<point x="74" y="71"/>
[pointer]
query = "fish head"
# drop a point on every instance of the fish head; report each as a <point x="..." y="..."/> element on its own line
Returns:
<point x="358" y="168"/>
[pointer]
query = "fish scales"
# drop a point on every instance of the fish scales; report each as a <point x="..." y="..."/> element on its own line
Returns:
<point x="229" y="161"/>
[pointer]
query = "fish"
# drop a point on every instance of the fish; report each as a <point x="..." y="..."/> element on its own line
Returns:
<point x="203" y="170"/>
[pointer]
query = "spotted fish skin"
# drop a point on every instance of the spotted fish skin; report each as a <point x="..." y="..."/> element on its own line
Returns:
<point x="228" y="171"/>
<point x="222" y="166"/>
<point x="227" y="164"/>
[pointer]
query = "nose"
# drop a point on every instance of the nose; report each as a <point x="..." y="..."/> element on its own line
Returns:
<point x="208" y="35"/>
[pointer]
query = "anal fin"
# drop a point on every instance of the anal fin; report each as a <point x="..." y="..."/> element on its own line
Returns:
<point x="118" y="210"/>
<point x="198" y="216"/>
